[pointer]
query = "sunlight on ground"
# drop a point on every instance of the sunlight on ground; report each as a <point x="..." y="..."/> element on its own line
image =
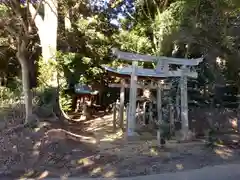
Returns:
<point x="63" y="134"/>
<point x="153" y="151"/>
<point x="85" y="161"/>
<point x="37" y="129"/>
<point x="41" y="125"/>
<point x="109" y="142"/>
<point x="109" y="174"/>
<point x="149" y="150"/>
<point x="102" y="128"/>
<point x="224" y="153"/>
<point x="100" y="123"/>
<point x="37" y="145"/>
<point x="87" y="139"/>
<point x="112" y="137"/>
<point x="43" y="175"/>
<point x="114" y="142"/>
<point x="179" y="166"/>
<point x="65" y="176"/>
<point x="27" y="174"/>
<point x="131" y="149"/>
<point x="96" y="171"/>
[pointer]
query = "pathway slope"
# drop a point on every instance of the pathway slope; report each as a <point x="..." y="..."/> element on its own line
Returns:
<point x="221" y="172"/>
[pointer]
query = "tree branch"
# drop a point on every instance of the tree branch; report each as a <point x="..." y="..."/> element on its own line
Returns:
<point x="19" y="13"/>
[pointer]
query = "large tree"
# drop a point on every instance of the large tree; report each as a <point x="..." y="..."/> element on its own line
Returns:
<point x="19" y="30"/>
<point x="20" y="21"/>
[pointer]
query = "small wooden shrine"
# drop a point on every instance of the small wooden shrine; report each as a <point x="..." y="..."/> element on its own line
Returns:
<point x="84" y="96"/>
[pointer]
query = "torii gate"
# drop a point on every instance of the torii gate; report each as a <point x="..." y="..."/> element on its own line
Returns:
<point x="162" y="70"/>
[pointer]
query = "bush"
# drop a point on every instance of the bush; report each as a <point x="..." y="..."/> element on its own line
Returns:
<point x="47" y="96"/>
<point x="9" y="96"/>
<point x="65" y="101"/>
<point x="10" y="105"/>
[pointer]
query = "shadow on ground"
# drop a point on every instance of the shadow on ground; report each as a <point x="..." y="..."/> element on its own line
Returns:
<point x="64" y="150"/>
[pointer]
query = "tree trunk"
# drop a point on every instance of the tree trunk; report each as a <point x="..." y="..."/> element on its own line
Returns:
<point x="21" y="55"/>
<point x="48" y="31"/>
<point x="48" y="38"/>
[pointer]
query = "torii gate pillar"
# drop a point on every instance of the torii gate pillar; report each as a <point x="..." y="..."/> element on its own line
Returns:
<point x="121" y="109"/>
<point x="159" y="110"/>
<point x="184" y="104"/>
<point x="131" y="118"/>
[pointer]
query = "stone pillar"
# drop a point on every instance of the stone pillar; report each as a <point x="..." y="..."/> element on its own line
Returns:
<point x="121" y="109"/>
<point x="184" y="104"/>
<point x="159" y="109"/>
<point x="132" y="101"/>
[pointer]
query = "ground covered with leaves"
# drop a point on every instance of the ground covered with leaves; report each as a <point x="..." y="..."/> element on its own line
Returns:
<point x="92" y="149"/>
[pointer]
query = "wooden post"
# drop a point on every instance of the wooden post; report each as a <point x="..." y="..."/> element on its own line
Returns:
<point x="144" y="113"/>
<point x="184" y="104"/>
<point x="171" y="118"/>
<point x="85" y="112"/>
<point x="151" y="113"/>
<point x="132" y="101"/>
<point x="121" y="108"/>
<point x="178" y="108"/>
<point x="159" y="109"/>
<point x="159" y="101"/>
<point x="127" y="113"/>
<point x="77" y="105"/>
<point x="114" y="116"/>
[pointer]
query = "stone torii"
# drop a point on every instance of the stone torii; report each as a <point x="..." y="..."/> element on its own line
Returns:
<point x="161" y="71"/>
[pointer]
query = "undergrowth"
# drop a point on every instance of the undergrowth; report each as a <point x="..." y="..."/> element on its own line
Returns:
<point x="9" y="96"/>
<point x="43" y="102"/>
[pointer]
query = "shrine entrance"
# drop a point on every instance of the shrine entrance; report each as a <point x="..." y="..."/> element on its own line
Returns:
<point x="149" y="79"/>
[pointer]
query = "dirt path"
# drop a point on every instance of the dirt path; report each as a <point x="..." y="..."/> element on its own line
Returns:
<point x="44" y="152"/>
<point x="220" y="172"/>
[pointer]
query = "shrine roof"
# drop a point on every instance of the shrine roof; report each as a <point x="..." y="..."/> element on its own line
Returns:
<point x="84" y="89"/>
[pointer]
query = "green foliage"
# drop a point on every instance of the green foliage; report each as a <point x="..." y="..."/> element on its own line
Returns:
<point x="45" y="70"/>
<point x="208" y="26"/>
<point x="133" y="41"/>
<point x="91" y="40"/>
<point x="45" y="92"/>
<point x="67" y="74"/>
<point x="65" y="101"/>
<point x="9" y="96"/>
<point x="10" y="103"/>
<point x="3" y="10"/>
<point x="70" y="67"/>
<point x="166" y="26"/>
<point x="44" y="97"/>
<point x="44" y="101"/>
